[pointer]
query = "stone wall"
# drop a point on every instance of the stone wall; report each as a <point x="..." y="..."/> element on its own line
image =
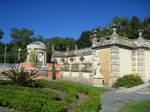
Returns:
<point x="49" y="72"/>
<point x="125" y="59"/>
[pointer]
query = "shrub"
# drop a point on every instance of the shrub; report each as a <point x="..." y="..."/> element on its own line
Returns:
<point x="22" y="77"/>
<point x="128" y="81"/>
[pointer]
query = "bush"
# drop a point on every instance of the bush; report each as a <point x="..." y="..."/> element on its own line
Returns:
<point x="128" y="81"/>
<point x="22" y="77"/>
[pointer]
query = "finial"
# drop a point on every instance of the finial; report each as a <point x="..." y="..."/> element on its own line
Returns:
<point x="114" y="28"/>
<point x="94" y="33"/>
<point x="140" y="33"/>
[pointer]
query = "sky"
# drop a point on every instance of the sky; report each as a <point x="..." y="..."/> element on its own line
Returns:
<point x="65" y="18"/>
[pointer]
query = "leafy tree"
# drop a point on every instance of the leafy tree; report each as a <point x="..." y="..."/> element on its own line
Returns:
<point x="84" y="40"/>
<point x="122" y="23"/>
<point x="22" y="35"/>
<point x="60" y="44"/>
<point x="134" y="25"/>
<point x="146" y="27"/>
<point x="1" y="52"/>
<point x="103" y="32"/>
<point x="39" y="38"/>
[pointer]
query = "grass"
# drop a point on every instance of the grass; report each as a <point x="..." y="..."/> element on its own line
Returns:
<point x="137" y="106"/>
<point x="27" y="99"/>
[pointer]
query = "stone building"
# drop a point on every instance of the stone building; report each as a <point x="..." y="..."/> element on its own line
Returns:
<point x="107" y="59"/>
<point x="37" y="53"/>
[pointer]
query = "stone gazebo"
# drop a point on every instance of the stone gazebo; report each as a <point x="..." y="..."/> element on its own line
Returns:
<point x="37" y="53"/>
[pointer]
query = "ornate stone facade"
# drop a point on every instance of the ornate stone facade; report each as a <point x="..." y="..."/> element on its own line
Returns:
<point x="116" y="56"/>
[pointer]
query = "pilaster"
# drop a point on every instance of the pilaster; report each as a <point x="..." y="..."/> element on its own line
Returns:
<point x="134" y="61"/>
<point x="115" y="63"/>
<point x="141" y="62"/>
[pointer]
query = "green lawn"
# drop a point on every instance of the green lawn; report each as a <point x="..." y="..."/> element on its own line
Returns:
<point x="137" y="106"/>
<point x="54" y="96"/>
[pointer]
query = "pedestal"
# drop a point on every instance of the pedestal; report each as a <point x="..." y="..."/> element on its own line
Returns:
<point x="97" y="81"/>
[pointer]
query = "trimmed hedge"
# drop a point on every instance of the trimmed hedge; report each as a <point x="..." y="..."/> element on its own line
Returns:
<point x="128" y="81"/>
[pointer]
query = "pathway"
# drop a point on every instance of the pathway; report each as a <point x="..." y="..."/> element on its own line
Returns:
<point x="5" y="109"/>
<point x="112" y="101"/>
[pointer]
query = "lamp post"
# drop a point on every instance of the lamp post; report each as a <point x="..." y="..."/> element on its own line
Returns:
<point x="5" y="54"/>
<point x="19" y="55"/>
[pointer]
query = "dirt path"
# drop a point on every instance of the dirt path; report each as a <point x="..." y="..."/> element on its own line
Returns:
<point x="112" y="101"/>
<point x="5" y="109"/>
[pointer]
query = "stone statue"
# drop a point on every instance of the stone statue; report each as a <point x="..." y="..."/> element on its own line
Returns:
<point x="97" y="78"/>
<point x="98" y="69"/>
<point x="40" y="57"/>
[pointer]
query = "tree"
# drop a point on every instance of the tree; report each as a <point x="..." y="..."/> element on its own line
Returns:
<point x="1" y="52"/>
<point x="103" y="32"/>
<point x="22" y="35"/>
<point x="134" y="25"/>
<point x="1" y="34"/>
<point x="122" y="24"/>
<point x="60" y="44"/>
<point x="84" y="40"/>
<point x="146" y="28"/>
<point x="39" y="38"/>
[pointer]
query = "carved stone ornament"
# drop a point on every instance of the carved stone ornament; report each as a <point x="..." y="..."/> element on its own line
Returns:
<point x="71" y="59"/>
<point x="81" y="58"/>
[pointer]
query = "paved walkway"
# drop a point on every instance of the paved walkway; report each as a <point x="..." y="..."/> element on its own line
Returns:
<point x="112" y="101"/>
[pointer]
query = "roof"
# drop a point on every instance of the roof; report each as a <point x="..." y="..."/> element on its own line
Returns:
<point x="36" y="44"/>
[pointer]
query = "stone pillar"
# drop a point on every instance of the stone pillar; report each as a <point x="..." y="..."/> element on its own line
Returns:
<point x="141" y="62"/>
<point x="115" y="63"/>
<point x="134" y="61"/>
<point x="141" y="56"/>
